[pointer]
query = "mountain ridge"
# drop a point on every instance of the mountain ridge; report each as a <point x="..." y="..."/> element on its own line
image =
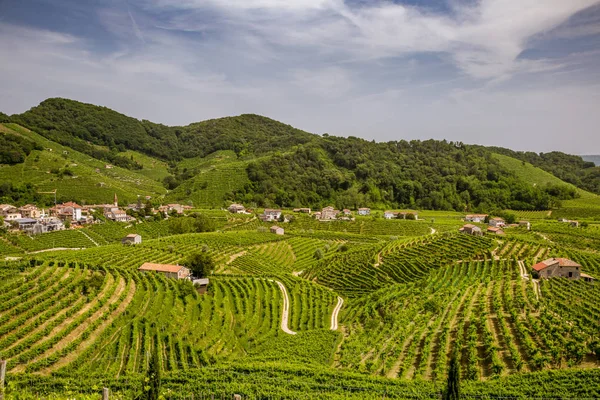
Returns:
<point x="274" y="164"/>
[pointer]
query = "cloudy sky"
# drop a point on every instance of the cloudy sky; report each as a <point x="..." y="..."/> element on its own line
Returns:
<point x="523" y="74"/>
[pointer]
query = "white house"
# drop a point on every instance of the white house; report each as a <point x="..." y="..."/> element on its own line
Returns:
<point x="497" y="222"/>
<point x="475" y="217"/>
<point x="270" y="215"/>
<point x="364" y="211"/>
<point x="132" y="238"/>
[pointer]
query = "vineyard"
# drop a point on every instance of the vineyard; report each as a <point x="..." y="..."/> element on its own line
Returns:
<point x="408" y="293"/>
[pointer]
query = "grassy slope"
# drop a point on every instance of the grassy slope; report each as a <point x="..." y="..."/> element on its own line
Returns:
<point x="91" y="182"/>
<point x="588" y="205"/>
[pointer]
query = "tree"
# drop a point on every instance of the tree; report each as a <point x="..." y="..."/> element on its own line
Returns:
<point x="452" y="391"/>
<point x="201" y="264"/>
<point x="148" y="208"/>
<point x="67" y="223"/>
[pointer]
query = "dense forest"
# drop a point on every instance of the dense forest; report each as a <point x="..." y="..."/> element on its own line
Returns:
<point x="290" y="167"/>
<point x="14" y="149"/>
<point x="418" y="174"/>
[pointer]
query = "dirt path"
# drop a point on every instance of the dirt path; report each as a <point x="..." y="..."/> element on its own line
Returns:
<point x="56" y="249"/>
<point x="523" y="270"/>
<point x="234" y="256"/>
<point x="334" y="315"/>
<point x="536" y="288"/>
<point x="286" y="309"/>
<point x="88" y="236"/>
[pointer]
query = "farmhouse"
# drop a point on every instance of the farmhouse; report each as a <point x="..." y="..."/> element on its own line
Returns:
<point x="495" y="231"/>
<point x="237" y="209"/>
<point x="132" y="238"/>
<point x="558" y="267"/>
<point x="476" y="217"/>
<point x="346" y="211"/>
<point x="201" y="285"/>
<point x="328" y="213"/>
<point x="277" y="230"/>
<point x="470" y="229"/>
<point x="170" y="271"/>
<point x="270" y="215"/>
<point x="497" y="222"/>
<point x="364" y="211"/>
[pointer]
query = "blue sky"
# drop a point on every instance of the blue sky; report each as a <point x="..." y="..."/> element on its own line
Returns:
<point x="523" y="74"/>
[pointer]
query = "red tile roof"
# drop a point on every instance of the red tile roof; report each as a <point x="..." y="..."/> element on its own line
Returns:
<point x="160" y="267"/>
<point x="562" y="262"/>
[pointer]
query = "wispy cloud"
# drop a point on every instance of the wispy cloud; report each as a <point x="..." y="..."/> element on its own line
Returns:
<point x="377" y="69"/>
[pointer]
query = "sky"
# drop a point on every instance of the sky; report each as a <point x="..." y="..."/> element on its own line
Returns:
<point x="522" y="74"/>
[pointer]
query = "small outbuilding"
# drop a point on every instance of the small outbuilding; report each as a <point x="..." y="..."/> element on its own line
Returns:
<point x="277" y="230"/>
<point x="132" y="238"/>
<point x="495" y="231"/>
<point x="525" y="224"/>
<point x="201" y="285"/>
<point x="471" y="229"/>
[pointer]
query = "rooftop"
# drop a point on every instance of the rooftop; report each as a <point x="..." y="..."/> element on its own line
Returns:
<point x="160" y="267"/>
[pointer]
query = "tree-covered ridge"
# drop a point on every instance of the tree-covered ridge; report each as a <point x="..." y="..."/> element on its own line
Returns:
<point x="570" y="168"/>
<point x="418" y="174"/>
<point x="83" y="125"/>
<point x="290" y="167"/>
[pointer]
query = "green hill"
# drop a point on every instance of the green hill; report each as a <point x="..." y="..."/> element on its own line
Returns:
<point x="264" y="163"/>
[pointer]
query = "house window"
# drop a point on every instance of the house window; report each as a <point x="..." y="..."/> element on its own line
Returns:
<point x="570" y="274"/>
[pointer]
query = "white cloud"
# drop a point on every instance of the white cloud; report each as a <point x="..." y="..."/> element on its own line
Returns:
<point x="324" y="66"/>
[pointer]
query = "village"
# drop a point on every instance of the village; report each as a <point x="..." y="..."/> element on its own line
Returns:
<point x="32" y="220"/>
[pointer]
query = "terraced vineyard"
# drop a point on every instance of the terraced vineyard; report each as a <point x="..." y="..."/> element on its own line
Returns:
<point x="405" y="303"/>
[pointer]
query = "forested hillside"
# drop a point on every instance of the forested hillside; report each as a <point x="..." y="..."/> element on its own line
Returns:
<point x="569" y="168"/>
<point x="273" y="164"/>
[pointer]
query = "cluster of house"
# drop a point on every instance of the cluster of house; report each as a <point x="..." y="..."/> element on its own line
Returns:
<point x="496" y="225"/>
<point x="176" y="272"/>
<point x="574" y="224"/>
<point x="561" y="268"/>
<point x="326" y="214"/>
<point x="32" y="220"/>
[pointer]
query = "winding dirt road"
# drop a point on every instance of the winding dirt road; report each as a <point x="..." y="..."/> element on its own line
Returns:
<point x="334" y="315"/>
<point x="286" y="310"/>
